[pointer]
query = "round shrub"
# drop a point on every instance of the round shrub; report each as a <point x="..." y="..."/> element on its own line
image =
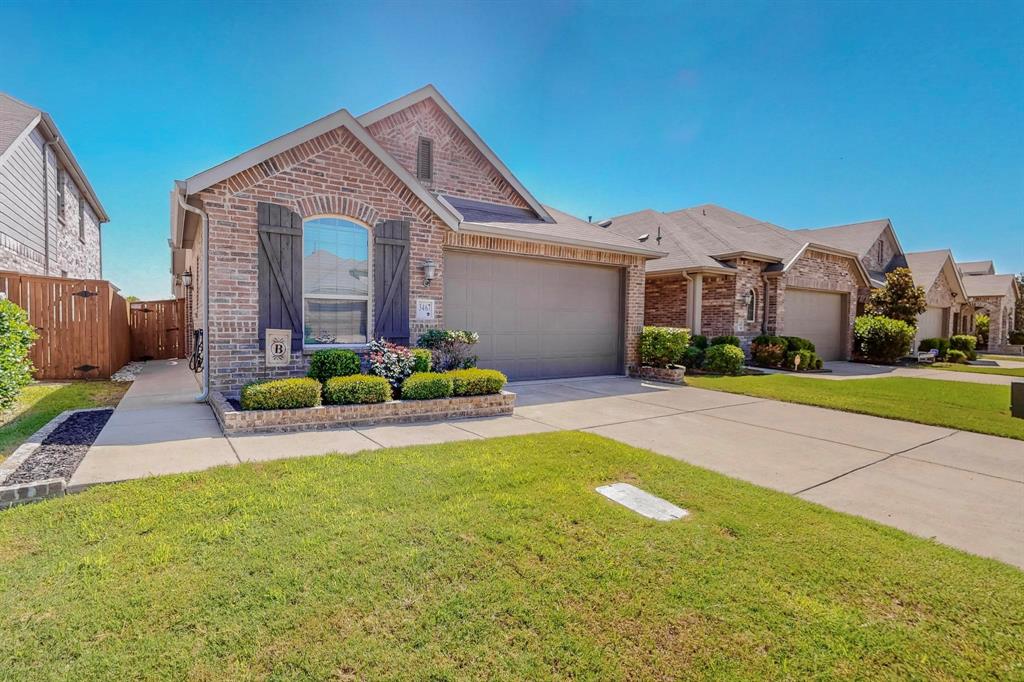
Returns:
<point x="16" y="337"/>
<point x="663" y="346"/>
<point x="727" y="340"/>
<point x="798" y="343"/>
<point x="881" y="339"/>
<point x="693" y="357"/>
<point x="477" y="381"/>
<point x="452" y="348"/>
<point x="422" y="360"/>
<point x="332" y="362"/>
<point x="699" y="341"/>
<point x="427" y="386"/>
<point x="768" y="351"/>
<point x="818" y="363"/>
<point x="723" y="359"/>
<point x="956" y="356"/>
<point x="808" y="360"/>
<point x="941" y="345"/>
<point x="1017" y="337"/>
<point x="281" y="394"/>
<point x="356" y="389"/>
<point x="391" y="361"/>
<point x="966" y="344"/>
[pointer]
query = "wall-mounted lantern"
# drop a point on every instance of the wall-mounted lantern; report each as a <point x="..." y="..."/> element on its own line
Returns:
<point x="186" y="278"/>
<point x="429" y="272"/>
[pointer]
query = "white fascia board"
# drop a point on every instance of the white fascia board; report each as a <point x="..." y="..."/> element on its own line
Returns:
<point x="430" y="92"/>
<point x="494" y="230"/>
<point x="339" y="119"/>
<point x="21" y="138"/>
<point x="71" y="165"/>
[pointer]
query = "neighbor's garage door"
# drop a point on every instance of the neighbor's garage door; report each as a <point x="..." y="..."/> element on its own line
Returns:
<point x="818" y="316"/>
<point x="929" y="325"/>
<point x="537" y="319"/>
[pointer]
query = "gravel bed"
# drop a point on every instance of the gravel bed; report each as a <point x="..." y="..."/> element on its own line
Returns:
<point x="128" y="373"/>
<point x="63" y="450"/>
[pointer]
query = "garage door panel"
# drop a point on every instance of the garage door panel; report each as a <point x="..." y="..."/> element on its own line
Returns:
<point x="820" y="317"/>
<point x="929" y="324"/>
<point x="537" y="318"/>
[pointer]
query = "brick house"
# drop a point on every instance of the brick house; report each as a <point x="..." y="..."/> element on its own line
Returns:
<point x="876" y="244"/>
<point x="727" y="273"/>
<point x="50" y="216"/>
<point x="995" y="296"/>
<point x="389" y="224"/>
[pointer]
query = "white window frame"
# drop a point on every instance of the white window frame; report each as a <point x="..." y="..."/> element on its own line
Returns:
<point x="751" y="312"/>
<point x="341" y="297"/>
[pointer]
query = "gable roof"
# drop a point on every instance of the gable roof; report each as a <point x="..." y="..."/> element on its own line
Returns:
<point x="926" y="266"/>
<point x="430" y="92"/>
<point x="856" y="237"/>
<point x="977" y="267"/>
<point x="990" y="285"/>
<point x="18" y="120"/>
<point x="700" y="238"/>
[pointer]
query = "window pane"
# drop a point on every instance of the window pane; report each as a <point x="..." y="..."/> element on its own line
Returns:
<point x="332" y="320"/>
<point x="335" y="258"/>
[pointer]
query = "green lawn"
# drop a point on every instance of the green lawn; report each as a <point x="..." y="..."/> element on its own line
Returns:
<point x="971" y="407"/>
<point x="485" y="559"/>
<point x="41" y="402"/>
<point x="1011" y="358"/>
<point x="977" y="369"/>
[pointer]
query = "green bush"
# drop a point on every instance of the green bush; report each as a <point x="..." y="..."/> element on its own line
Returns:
<point x="768" y="351"/>
<point x="797" y="343"/>
<point x="663" y="346"/>
<point x="281" y="394"/>
<point x="818" y="363"/>
<point x="723" y="358"/>
<point x="693" y="358"/>
<point x="16" y="337"/>
<point x="966" y="344"/>
<point x="422" y="360"/>
<point x="1017" y="337"/>
<point x="881" y="339"/>
<point x="391" y="361"/>
<point x="699" y="341"/>
<point x="956" y="356"/>
<point x="477" y="381"/>
<point x="452" y="348"/>
<point x="726" y="340"/>
<point x="808" y="360"/>
<point x="941" y="345"/>
<point x="427" y="386"/>
<point x="356" y="389"/>
<point x="332" y="362"/>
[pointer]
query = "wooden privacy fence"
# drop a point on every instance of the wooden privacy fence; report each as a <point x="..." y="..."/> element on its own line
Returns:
<point x="158" y="329"/>
<point x="82" y="325"/>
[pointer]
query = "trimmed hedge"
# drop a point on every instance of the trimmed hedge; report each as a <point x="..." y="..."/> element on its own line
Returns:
<point x="956" y="356"/>
<point x="808" y="360"/>
<point x="699" y="341"/>
<point x="941" y="345"/>
<point x="427" y="386"/>
<point x="881" y="339"/>
<point x="356" y="389"/>
<point x="693" y="357"/>
<point x="333" y="362"/>
<point x="281" y="394"/>
<point x="794" y="343"/>
<point x="16" y="337"/>
<point x="723" y="358"/>
<point x="1017" y="337"/>
<point x="663" y="346"/>
<point x="477" y="381"/>
<point x="768" y="351"/>
<point x="422" y="360"/>
<point x="726" y="340"/>
<point x="966" y="344"/>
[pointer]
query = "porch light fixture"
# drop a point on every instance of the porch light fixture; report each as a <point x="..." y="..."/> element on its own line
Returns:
<point x="186" y="278"/>
<point x="429" y="272"/>
<point x="749" y="298"/>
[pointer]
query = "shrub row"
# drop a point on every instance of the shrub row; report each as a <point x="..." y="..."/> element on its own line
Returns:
<point x="663" y="346"/>
<point x="783" y="351"/>
<point x="281" y="394"/>
<point x="16" y="337"/>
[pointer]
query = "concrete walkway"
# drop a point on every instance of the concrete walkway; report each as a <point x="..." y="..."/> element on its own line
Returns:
<point x="963" y="489"/>
<point x="844" y="371"/>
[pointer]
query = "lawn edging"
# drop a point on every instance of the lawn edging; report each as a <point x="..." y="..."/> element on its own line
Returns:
<point x="234" y="421"/>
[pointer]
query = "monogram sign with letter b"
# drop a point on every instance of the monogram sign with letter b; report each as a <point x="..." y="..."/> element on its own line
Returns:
<point x="279" y="346"/>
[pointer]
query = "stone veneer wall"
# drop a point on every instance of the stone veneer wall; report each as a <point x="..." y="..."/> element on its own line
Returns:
<point x="665" y="301"/>
<point x="1000" y="310"/>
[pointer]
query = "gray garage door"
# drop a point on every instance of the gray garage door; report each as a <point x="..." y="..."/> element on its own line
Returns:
<point x="818" y="316"/>
<point x="537" y="319"/>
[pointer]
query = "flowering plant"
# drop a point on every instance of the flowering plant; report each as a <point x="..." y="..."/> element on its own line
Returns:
<point x="391" y="361"/>
<point x="452" y="348"/>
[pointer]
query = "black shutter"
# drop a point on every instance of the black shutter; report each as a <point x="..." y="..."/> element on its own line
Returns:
<point x="391" y="281"/>
<point x="425" y="159"/>
<point x="280" y="271"/>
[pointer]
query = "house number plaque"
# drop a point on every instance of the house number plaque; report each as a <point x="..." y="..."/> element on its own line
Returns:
<point x="424" y="308"/>
<point x="279" y="347"/>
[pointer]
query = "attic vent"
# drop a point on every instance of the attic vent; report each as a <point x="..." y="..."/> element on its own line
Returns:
<point x="425" y="159"/>
<point x="604" y="223"/>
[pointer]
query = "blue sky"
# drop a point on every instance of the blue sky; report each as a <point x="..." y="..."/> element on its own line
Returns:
<point x="803" y="114"/>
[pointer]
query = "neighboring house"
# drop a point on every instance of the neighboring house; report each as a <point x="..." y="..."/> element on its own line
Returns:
<point x="389" y="224"/>
<point x="50" y="216"/>
<point x="728" y="273"/>
<point x="995" y="296"/>
<point x="875" y="242"/>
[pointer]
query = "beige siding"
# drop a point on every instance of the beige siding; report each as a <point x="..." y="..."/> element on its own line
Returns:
<point x="21" y="193"/>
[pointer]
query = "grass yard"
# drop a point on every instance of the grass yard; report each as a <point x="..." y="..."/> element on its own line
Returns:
<point x="485" y="559"/>
<point x="971" y="407"/>
<point x="977" y="369"/>
<point x="1011" y="358"/>
<point x="41" y="402"/>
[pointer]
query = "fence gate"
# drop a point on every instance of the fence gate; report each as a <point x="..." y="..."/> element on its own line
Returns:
<point x="158" y="329"/>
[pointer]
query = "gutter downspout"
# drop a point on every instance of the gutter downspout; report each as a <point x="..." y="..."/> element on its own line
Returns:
<point x="764" y="306"/>
<point x="204" y="394"/>
<point x="46" y="204"/>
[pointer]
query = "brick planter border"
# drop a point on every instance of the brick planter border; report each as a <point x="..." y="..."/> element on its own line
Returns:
<point x="666" y="375"/>
<point x="234" y="421"/>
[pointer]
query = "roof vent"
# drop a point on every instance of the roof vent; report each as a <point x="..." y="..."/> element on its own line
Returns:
<point x="425" y="159"/>
<point x="643" y="237"/>
<point x="604" y="223"/>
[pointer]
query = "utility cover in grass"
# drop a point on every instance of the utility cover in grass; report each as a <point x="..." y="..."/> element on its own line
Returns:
<point x="642" y="502"/>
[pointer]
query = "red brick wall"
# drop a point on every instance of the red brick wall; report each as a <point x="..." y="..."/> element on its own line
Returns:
<point x="665" y="302"/>
<point x="823" y="271"/>
<point x="718" y="309"/>
<point x="459" y="168"/>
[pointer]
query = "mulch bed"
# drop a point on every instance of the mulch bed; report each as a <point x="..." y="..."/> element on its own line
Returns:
<point x="63" y="450"/>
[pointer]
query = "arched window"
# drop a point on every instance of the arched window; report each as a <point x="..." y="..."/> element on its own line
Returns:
<point x="335" y="282"/>
<point x="751" y="306"/>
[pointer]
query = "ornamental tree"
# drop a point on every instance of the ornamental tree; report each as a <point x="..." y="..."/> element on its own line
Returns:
<point x="900" y="299"/>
